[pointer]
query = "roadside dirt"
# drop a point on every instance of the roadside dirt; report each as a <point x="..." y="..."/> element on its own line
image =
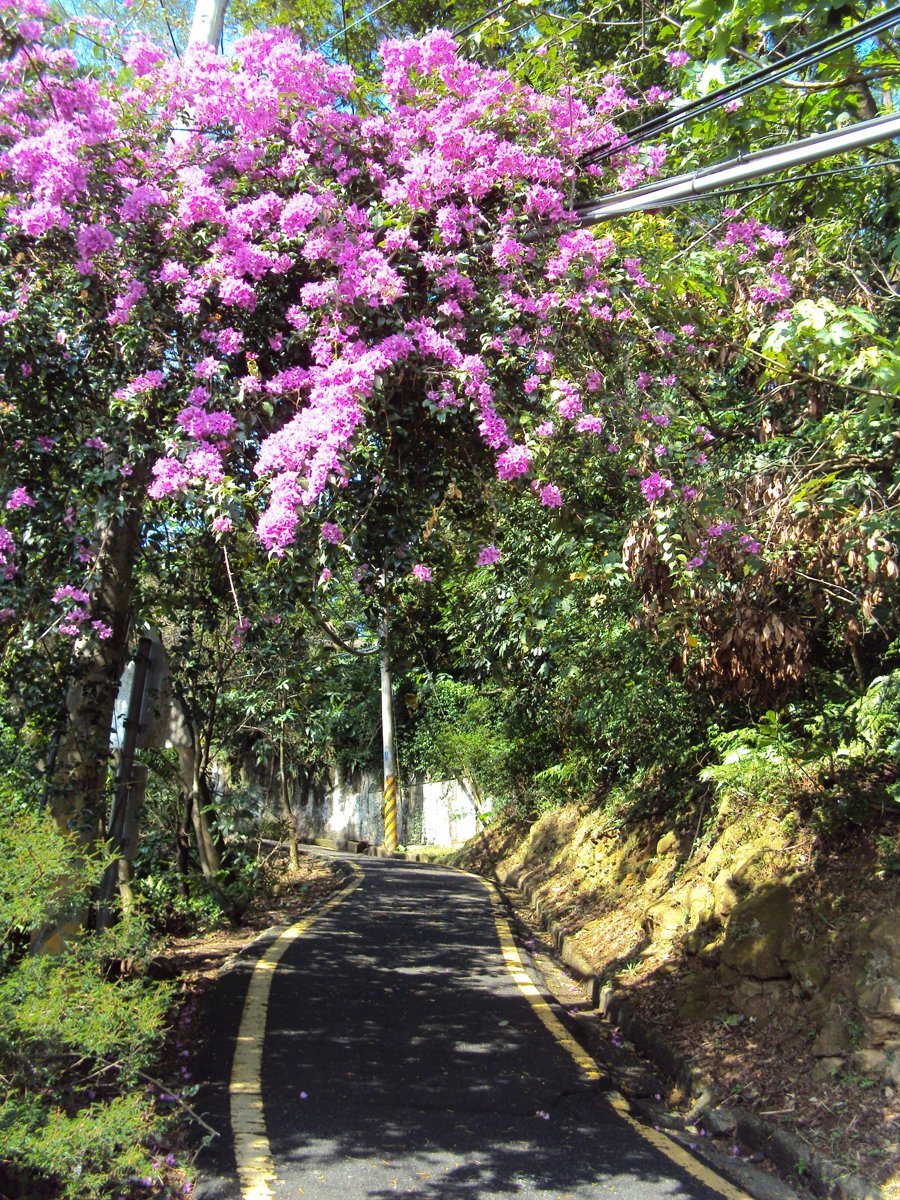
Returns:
<point x="202" y="955"/>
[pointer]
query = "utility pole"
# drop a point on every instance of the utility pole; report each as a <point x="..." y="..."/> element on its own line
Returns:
<point x="207" y="23"/>
<point x="387" y="734"/>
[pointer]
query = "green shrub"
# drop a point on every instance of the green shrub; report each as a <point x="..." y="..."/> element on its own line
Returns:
<point x="74" y="1113"/>
<point x="878" y="714"/>
<point x="765" y="759"/>
<point x="170" y="907"/>
<point x="459" y="732"/>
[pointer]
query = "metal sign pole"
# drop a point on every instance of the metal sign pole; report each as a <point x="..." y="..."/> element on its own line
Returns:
<point x="124" y="779"/>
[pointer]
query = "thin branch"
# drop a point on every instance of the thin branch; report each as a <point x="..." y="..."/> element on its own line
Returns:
<point x="178" y="1100"/>
<point x="231" y="584"/>
<point x="332" y="633"/>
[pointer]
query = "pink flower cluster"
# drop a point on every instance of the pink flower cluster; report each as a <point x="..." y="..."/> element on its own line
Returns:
<point x="655" y="486"/>
<point x="383" y="249"/>
<point x="19" y="498"/>
<point x="78" y="619"/>
<point x="8" y="568"/>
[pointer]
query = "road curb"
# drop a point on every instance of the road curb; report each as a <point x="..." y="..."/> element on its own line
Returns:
<point x="803" y="1165"/>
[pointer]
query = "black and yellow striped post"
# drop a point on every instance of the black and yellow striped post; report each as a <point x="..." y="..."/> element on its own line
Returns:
<point x="390" y="812"/>
<point x="391" y="840"/>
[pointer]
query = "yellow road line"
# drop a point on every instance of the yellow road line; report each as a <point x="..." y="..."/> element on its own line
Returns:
<point x="513" y="960"/>
<point x="588" y="1065"/>
<point x="256" y="1170"/>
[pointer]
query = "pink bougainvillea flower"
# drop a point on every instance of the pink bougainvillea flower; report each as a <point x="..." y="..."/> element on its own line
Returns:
<point x="19" y="498"/>
<point x="513" y="462"/>
<point x="68" y="592"/>
<point x="488" y="556"/>
<point x="655" y="486"/>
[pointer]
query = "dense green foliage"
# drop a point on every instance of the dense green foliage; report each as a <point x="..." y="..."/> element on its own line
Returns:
<point x="612" y="654"/>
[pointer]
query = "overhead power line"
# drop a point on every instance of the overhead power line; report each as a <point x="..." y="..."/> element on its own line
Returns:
<point x="367" y="16"/>
<point x="875" y="164"/>
<point x="493" y="12"/>
<point x="860" y="32"/>
<point x="738" y="170"/>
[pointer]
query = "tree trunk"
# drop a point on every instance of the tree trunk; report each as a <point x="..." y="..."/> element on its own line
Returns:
<point x="858" y="668"/>
<point x="78" y="787"/>
<point x="76" y="790"/>
<point x="196" y="813"/>
<point x="868" y="109"/>
<point x="183" y="841"/>
<point x="197" y="799"/>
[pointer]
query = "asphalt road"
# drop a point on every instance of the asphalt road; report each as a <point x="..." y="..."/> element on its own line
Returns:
<point x="400" y="1058"/>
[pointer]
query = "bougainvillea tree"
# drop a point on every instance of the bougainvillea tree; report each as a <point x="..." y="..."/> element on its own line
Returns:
<point x="340" y="307"/>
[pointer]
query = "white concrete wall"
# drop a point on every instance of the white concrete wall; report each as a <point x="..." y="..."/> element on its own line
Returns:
<point x="350" y="809"/>
<point x="440" y="813"/>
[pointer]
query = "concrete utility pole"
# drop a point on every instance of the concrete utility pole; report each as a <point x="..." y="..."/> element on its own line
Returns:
<point x="387" y="734"/>
<point x="207" y="23"/>
<point x="734" y="171"/>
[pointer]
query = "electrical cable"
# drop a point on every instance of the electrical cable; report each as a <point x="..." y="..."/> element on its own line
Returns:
<point x="574" y="16"/>
<point x="359" y="20"/>
<point x="493" y="12"/>
<point x="165" y="13"/>
<point x="463" y="29"/>
<point x="808" y="175"/>
<point x="722" y="176"/>
<point x="762" y="185"/>
<point x="753" y="81"/>
<point x="749" y="83"/>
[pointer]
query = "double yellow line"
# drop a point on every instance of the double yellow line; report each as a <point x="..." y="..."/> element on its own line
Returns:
<point x="588" y="1065"/>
